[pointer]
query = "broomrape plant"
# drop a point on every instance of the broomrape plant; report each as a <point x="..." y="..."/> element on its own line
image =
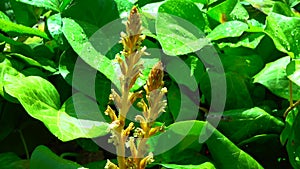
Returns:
<point x="132" y="137"/>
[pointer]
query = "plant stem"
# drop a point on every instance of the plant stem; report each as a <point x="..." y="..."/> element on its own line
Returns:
<point x="291" y="108"/>
<point x="291" y="92"/>
<point x="24" y="143"/>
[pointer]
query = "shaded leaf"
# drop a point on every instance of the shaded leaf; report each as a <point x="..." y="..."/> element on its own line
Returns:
<point x="11" y="160"/>
<point x="239" y="125"/>
<point x="43" y="157"/>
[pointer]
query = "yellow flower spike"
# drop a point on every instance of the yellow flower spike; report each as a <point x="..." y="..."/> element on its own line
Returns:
<point x="155" y="78"/>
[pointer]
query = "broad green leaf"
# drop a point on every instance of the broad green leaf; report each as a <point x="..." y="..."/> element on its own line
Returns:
<point x="228" y="29"/>
<point x="274" y="77"/>
<point x="56" y="5"/>
<point x="267" y="148"/>
<point x="100" y="86"/>
<point x="293" y="71"/>
<point x="249" y="41"/>
<point x="225" y="154"/>
<point x="10" y="27"/>
<point x="95" y="12"/>
<point x="285" y="33"/>
<point x="182" y="77"/>
<point x="243" y="65"/>
<point x="43" y="157"/>
<point x="41" y="100"/>
<point x="81" y="45"/>
<point x="219" y="146"/>
<point x="11" y="160"/>
<point x="180" y="103"/>
<point x="227" y="11"/>
<point x="206" y="165"/>
<point x="236" y="89"/>
<point x="179" y="27"/>
<point x="239" y="125"/>
<point x="95" y="57"/>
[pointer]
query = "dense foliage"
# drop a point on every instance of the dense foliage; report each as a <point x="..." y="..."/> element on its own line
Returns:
<point x="240" y="57"/>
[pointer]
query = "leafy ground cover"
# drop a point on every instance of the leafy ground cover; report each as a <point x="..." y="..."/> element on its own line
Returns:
<point x="232" y="72"/>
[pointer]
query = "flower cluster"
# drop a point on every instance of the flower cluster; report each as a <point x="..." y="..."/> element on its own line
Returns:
<point x="131" y="137"/>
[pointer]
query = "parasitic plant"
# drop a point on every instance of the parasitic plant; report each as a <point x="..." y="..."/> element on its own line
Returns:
<point x="151" y="102"/>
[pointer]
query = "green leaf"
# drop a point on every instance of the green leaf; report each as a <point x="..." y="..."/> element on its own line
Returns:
<point x="54" y="25"/>
<point x="274" y="77"/>
<point x="285" y="33"/>
<point x="227" y="11"/>
<point x="56" y="5"/>
<point x="95" y="12"/>
<point x="3" y="16"/>
<point x="206" y="165"/>
<point x="289" y="121"/>
<point x="32" y="62"/>
<point x="43" y="157"/>
<point x="249" y="41"/>
<point x="243" y="65"/>
<point x="180" y="103"/>
<point x="223" y="151"/>
<point x="179" y="27"/>
<point x="293" y="71"/>
<point x="7" y="69"/>
<point x="236" y="89"/>
<point x="25" y="14"/>
<point x="41" y="100"/>
<point x="228" y="29"/>
<point x="239" y="125"/>
<point x="81" y="45"/>
<point x="293" y="138"/>
<point x="10" y="27"/>
<point x="124" y="5"/>
<point x="11" y="160"/>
